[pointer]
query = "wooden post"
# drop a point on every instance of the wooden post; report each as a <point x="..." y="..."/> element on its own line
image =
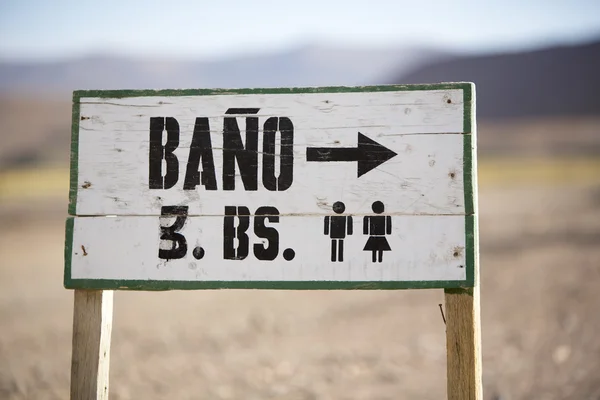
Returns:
<point x="92" y="326"/>
<point x="463" y="344"/>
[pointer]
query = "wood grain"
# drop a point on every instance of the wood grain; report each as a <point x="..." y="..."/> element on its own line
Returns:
<point x="425" y="128"/>
<point x="92" y="327"/>
<point x="463" y="344"/>
<point x="424" y="248"/>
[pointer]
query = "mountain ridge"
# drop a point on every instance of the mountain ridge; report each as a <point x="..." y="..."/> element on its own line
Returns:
<point x="307" y="65"/>
<point x="554" y="81"/>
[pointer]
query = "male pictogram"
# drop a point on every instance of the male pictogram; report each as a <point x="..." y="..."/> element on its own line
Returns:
<point x="337" y="227"/>
<point x="377" y="226"/>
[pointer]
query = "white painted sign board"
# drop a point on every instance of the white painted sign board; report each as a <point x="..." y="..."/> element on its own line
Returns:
<point x="300" y="188"/>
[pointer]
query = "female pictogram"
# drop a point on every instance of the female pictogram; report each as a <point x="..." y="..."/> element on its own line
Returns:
<point x="377" y="226"/>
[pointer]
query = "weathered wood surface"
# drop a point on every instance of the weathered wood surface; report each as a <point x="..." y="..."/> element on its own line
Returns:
<point x="425" y="128"/>
<point x="92" y="327"/>
<point x="423" y="248"/>
<point x="463" y="344"/>
<point x="292" y="154"/>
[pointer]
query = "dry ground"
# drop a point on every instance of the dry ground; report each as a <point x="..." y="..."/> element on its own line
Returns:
<point x="540" y="298"/>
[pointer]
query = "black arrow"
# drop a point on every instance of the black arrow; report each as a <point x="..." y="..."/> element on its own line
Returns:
<point x="369" y="154"/>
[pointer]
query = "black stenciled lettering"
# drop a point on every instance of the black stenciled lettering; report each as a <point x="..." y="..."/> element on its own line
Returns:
<point x="158" y="152"/>
<point x="201" y="148"/>
<point x="270" y="251"/>
<point x="233" y="149"/>
<point x="286" y="170"/>
<point x="242" y="111"/>
<point x="155" y="153"/>
<point x="231" y="232"/>
<point x="179" y="244"/>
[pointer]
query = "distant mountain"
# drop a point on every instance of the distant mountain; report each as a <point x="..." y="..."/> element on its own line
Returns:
<point x="558" y="81"/>
<point x="303" y="66"/>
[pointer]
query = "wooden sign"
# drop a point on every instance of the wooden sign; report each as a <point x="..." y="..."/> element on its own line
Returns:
<point x="303" y="188"/>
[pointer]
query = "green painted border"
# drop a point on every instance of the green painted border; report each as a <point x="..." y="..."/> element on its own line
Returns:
<point x="471" y="249"/>
<point x="469" y="184"/>
<point x="468" y="174"/>
<point x="468" y="92"/>
<point x="74" y="155"/>
<point x="150" y="285"/>
<point x="153" y="285"/>
<point x="116" y="94"/>
<point x="68" y="249"/>
<point x="468" y="150"/>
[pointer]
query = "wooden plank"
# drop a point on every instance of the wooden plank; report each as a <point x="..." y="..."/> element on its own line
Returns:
<point x="426" y="179"/>
<point x="425" y="251"/>
<point x="463" y="342"/>
<point x="423" y="128"/>
<point x="405" y="113"/>
<point x="92" y="327"/>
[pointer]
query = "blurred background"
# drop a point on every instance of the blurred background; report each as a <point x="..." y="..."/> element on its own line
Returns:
<point x="536" y="65"/>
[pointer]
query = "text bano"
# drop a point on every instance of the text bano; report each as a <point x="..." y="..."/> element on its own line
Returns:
<point x="200" y="167"/>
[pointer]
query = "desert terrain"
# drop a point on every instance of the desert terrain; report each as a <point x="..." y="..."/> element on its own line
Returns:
<point x="540" y="276"/>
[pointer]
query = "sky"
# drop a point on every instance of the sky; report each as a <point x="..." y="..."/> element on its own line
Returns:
<point x="212" y="29"/>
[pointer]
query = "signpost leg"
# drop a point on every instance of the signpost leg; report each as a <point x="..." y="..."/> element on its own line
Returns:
<point x="92" y="326"/>
<point x="463" y="344"/>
